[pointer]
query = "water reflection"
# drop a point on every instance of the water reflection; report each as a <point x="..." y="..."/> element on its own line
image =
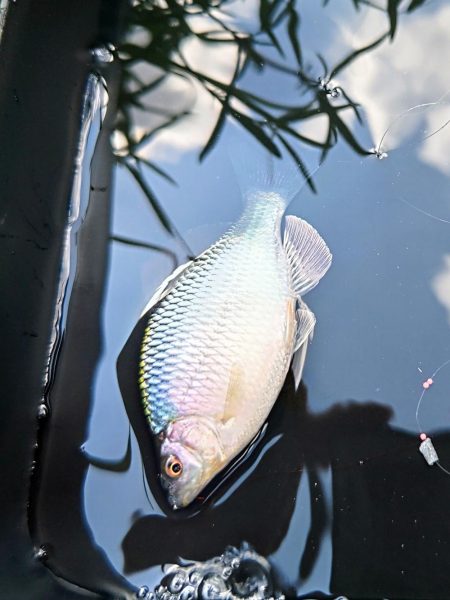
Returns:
<point x="4" y="6"/>
<point x="441" y="284"/>
<point x="418" y="77"/>
<point x="215" y="66"/>
<point x="336" y="495"/>
<point x="379" y="480"/>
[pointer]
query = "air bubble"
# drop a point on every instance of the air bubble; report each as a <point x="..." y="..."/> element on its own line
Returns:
<point x="379" y="153"/>
<point x="227" y="572"/>
<point x="177" y="582"/>
<point x="41" y="553"/>
<point x="103" y="54"/>
<point x="187" y="594"/>
<point x="42" y="411"/>
<point x="195" y="577"/>
<point x="328" y="87"/>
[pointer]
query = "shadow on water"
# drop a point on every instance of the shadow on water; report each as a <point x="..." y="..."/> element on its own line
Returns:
<point x="388" y="521"/>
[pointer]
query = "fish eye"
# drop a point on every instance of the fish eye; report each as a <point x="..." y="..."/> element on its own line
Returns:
<point x="173" y="467"/>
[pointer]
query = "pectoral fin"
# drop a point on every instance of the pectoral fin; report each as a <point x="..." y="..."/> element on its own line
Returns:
<point x="305" y="329"/>
<point x="234" y="393"/>
<point x="308" y="255"/>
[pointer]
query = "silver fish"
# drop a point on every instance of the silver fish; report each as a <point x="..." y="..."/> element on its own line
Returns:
<point x="222" y="331"/>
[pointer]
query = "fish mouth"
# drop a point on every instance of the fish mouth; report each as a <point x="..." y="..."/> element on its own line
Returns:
<point x="179" y="498"/>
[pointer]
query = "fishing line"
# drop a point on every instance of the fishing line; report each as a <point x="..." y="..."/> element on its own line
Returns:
<point x="424" y="212"/>
<point x="426" y="447"/>
<point x="380" y="153"/>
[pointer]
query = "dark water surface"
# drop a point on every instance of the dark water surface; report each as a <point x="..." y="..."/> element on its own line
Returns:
<point x="334" y="493"/>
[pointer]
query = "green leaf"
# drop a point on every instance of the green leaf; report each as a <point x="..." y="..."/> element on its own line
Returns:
<point x="145" y="89"/>
<point x="265" y="24"/>
<point x="415" y="4"/>
<point x="302" y="138"/>
<point x="147" y="246"/>
<point x="154" y="167"/>
<point x="298" y="161"/>
<point x="330" y="141"/>
<point x="222" y="115"/>
<point x="293" y="24"/>
<point x="274" y="6"/>
<point x="392" y="9"/>
<point x="213" y="138"/>
<point x="154" y="203"/>
<point x="353" y="55"/>
<point x="299" y="113"/>
<point x="338" y="124"/>
<point x="256" y="130"/>
<point x="323" y="63"/>
<point x="148" y="136"/>
<point x="265" y="7"/>
<point x="351" y="104"/>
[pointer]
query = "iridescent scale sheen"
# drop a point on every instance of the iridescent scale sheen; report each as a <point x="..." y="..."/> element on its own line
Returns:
<point x="219" y="343"/>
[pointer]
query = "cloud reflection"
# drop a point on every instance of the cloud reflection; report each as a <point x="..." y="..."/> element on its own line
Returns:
<point x="414" y="61"/>
<point x="440" y="285"/>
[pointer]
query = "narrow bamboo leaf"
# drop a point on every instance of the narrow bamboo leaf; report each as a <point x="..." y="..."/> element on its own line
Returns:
<point x="298" y="161"/>
<point x="415" y="4"/>
<point x="322" y="63"/>
<point x="147" y="246"/>
<point x="353" y="105"/>
<point x="392" y="9"/>
<point x="266" y="25"/>
<point x="257" y="59"/>
<point x="275" y="41"/>
<point x="213" y="138"/>
<point x="330" y="141"/>
<point x="302" y="138"/>
<point x="264" y="13"/>
<point x="256" y="130"/>
<point x="223" y="112"/>
<point x="348" y="136"/>
<point x="351" y="57"/>
<point x="154" y="203"/>
<point x="273" y="7"/>
<point x="145" y="89"/>
<point x="154" y="167"/>
<point x="148" y="136"/>
<point x="293" y="25"/>
<point x="280" y="16"/>
<point x="298" y="113"/>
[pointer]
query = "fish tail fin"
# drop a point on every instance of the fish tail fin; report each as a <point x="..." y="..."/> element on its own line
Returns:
<point x="258" y="171"/>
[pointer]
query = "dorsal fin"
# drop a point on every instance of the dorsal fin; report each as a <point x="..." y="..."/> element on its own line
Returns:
<point x="307" y="253"/>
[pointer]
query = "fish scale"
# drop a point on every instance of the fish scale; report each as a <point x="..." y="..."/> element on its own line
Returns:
<point x="220" y="336"/>
<point x="211" y="323"/>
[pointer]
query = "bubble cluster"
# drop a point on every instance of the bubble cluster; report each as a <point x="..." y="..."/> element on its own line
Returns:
<point x="236" y="574"/>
